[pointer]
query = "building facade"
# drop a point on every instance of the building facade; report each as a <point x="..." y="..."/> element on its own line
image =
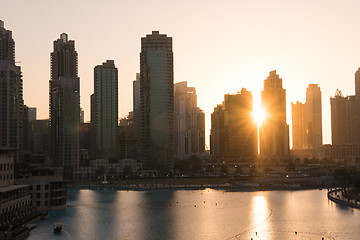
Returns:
<point x="339" y="127"/>
<point x="307" y="120"/>
<point x="157" y="102"/>
<point x="104" y="114"/>
<point x="65" y="106"/>
<point x="313" y="116"/>
<point x="298" y="113"/>
<point x="234" y="130"/>
<point x="11" y="96"/>
<point x="189" y="122"/>
<point x="15" y="200"/>
<point x="274" y="131"/>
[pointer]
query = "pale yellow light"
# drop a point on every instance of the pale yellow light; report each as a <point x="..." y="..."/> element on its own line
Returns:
<point x="259" y="115"/>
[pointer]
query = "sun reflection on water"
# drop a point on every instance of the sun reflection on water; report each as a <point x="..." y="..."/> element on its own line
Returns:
<point x="261" y="214"/>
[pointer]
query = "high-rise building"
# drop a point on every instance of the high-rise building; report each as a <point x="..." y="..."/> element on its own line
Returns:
<point x="313" y="116"/>
<point x="11" y="96"/>
<point x="104" y="106"/>
<point x="157" y="102"/>
<point x="189" y="122"/>
<point x="136" y="114"/>
<point x="65" y="106"/>
<point x="298" y="114"/>
<point x="307" y="120"/>
<point x="274" y="131"/>
<point x="234" y="130"/>
<point x="339" y="127"/>
<point x="32" y="114"/>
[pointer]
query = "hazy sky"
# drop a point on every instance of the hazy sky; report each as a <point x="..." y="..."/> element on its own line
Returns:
<point x="219" y="46"/>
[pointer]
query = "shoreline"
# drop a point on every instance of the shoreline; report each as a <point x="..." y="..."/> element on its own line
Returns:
<point x="228" y="188"/>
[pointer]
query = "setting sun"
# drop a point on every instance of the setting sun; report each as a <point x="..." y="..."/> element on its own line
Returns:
<point x="259" y="115"/>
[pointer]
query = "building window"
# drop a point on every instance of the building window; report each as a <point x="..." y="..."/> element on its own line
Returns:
<point x="38" y="187"/>
<point x="38" y="203"/>
<point x="38" y="195"/>
<point x="46" y="187"/>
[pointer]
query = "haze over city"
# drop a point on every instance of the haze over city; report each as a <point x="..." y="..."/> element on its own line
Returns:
<point x="218" y="47"/>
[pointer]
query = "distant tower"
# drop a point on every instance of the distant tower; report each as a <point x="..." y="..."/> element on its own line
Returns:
<point x="313" y="116"/>
<point x="339" y="126"/>
<point x="298" y="116"/>
<point x="11" y="96"/>
<point x="274" y="131"/>
<point x="104" y="117"/>
<point x="157" y="102"/>
<point x="189" y="122"/>
<point x="65" y="106"/>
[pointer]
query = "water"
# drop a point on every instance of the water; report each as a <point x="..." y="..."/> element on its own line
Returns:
<point x="200" y="214"/>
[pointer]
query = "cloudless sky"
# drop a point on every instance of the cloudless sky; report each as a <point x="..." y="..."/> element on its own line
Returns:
<point x="219" y="46"/>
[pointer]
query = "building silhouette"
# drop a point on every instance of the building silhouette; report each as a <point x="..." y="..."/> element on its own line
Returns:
<point x="189" y="122"/>
<point x="136" y="114"/>
<point x="313" y="116"/>
<point x="339" y="128"/>
<point x="274" y="131"/>
<point x="299" y="126"/>
<point x="104" y="111"/>
<point x="234" y="129"/>
<point x="307" y="120"/>
<point x="11" y="97"/>
<point x="157" y="102"/>
<point x="65" y="106"/>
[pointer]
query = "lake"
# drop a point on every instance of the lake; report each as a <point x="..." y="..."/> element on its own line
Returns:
<point x="200" y="214"/>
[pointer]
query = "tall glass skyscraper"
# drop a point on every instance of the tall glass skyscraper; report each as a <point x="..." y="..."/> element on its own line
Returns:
<point x="11" y="96"/>
<point x="104" y="111"/>
<point x="274" y="131"/>
<point x="65" y="106"/>
<point x="157" y="102"/>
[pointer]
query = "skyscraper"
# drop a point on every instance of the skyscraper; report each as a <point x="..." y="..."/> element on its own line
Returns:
<point x="313" y="116"/>
<point x="11" y="96"/>
<point x="136" y="114"/>
<point x="157" y="102"/>
<point x="237" y="131"/>
<point x="339" y="127"/>
<point x="299" y="126"/>
<point x="307" y="120"/>
<point x="104" y="106"/>
<point x="189" y="122"/>
<point x="274" y="131"/>
<point x="65" y="106"/>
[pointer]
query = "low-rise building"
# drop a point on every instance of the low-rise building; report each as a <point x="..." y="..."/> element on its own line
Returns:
<point x="15" y="200"/>
<point x="48" y="190"/>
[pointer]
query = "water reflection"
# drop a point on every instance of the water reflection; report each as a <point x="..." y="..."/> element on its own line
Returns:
<point x="200" y="214"/>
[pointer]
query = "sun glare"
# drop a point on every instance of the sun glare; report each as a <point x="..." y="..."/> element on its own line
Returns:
<point x="259" y="115"/>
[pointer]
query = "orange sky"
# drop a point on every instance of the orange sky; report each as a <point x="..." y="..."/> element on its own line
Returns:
<point x="219" y="46"/>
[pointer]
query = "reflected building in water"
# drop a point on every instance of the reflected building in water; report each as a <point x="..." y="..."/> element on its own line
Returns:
<point x="274" y="131"/>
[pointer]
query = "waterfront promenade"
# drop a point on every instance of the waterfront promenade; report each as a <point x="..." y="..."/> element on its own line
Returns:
<point x="344" y="197"/>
